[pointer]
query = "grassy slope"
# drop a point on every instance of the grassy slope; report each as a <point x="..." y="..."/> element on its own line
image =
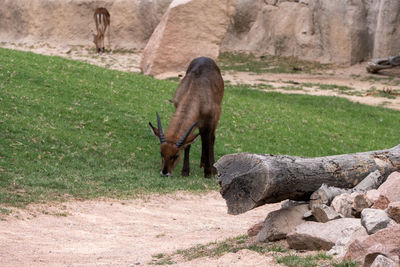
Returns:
<point x="69" y="128"/>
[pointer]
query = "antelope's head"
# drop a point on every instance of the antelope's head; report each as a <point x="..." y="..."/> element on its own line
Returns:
<point x="96" y="40"/>
<point x="171" y="151"/>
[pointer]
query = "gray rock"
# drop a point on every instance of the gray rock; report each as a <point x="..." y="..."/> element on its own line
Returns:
<point x="290" y="203"/>
<point x="382" y="261"/>
<point x="316" y="236"/>
<point x="374" y="220"/>
<point x="280" y="222"/>
<point x="372" y="181"/>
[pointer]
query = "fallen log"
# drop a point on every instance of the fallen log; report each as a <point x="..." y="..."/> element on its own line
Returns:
<point x="251" y="180"/>
<point x="376" y="65"/>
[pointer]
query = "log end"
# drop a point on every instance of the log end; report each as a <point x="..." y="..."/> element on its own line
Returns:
<point x="242" y="181"/>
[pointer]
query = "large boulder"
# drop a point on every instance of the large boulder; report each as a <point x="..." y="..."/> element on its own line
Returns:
<point x="385" y="242"/>
<point x="281" y="222"/>
<point x="188" y="29"/>
<point x="316" y="236"/>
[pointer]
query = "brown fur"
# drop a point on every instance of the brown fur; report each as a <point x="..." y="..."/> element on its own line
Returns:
<point x="102" y="20"/>
<point x="197" y="98"/>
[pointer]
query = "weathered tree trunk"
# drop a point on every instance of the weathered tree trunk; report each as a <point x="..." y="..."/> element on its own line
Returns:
<point x="376" y="65"/>
<point x="251" y="180"/>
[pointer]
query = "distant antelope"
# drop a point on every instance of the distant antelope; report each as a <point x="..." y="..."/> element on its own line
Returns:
<point x="197" y="103"/>
<point x="102" y="21"/>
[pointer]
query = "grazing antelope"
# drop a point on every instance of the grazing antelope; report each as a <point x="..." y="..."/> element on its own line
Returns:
<point x="102" y="21"/>
<point x="197" y="103"/>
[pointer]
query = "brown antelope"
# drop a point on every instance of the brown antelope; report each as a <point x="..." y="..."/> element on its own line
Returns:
<point x="197" y="103"/>
<point x="102" y="21"/>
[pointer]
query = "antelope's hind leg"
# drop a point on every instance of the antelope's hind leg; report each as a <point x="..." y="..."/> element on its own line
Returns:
<point x="207" y="151"/>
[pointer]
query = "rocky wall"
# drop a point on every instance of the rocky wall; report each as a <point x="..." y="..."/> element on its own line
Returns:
<point x="339" y="31"/>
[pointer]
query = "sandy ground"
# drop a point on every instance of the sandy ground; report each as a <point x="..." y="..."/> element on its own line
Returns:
<point x="129" y="233"/>
<point x="125" y="233"/>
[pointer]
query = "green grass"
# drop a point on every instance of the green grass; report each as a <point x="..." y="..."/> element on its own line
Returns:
<point x="293" y="260"/>
<point x="69" y="129"/>
<point x="346" y="263"/>
<point x="216" y="249"/>
<point x="284" y="256"/>
<point x="273" y="64"/>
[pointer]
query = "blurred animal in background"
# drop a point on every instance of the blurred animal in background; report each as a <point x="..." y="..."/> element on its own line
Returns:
<point x="102" y="20"/>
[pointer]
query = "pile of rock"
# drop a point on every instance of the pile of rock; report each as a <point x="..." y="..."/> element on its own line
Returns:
<point x="358" y="224"/>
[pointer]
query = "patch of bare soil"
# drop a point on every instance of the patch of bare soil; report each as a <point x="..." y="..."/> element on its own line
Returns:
<point x="125" y="233"/>
<point x="353" y="83"/>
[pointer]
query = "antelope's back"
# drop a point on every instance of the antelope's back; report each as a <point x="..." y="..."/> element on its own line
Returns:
<point x="202" y="82"/>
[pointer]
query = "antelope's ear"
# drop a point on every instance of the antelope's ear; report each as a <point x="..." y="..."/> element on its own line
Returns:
<point x="154" y="131"/>
<point x="191" y="139"/>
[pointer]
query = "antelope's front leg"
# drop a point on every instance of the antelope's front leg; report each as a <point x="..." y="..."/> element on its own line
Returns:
<point x="186" y="162"/>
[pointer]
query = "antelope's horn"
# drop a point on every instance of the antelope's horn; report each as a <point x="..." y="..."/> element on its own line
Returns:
<point x="183" y="139"/>
<point x="160" y="132"/>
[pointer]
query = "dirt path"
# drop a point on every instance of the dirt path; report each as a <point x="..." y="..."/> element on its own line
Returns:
<point x="353" y="83"/>
<point x="124" y="233"/>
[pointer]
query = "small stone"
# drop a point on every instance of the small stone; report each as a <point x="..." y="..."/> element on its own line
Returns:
<point x="373" y="195"/>
<point x="382" y="261"/>
<point x="382" y="203"/>
<point x="343" y="204"/>
<point x="360" y="202"/>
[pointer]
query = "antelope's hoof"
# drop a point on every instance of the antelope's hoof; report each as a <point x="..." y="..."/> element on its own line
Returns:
<point x="207" y="175"/>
